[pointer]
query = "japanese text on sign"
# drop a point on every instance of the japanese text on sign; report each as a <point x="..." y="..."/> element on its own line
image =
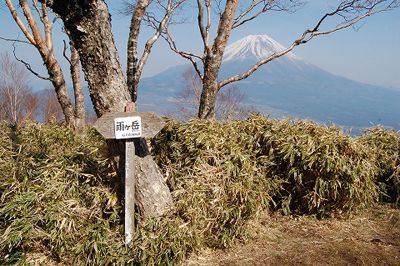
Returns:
<point x="128" y="127"/>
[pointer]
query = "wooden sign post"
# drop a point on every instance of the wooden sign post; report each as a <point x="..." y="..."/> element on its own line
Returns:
<point x="127" y="126"/>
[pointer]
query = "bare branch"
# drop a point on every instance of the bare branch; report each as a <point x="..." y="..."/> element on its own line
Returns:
<point x="150" y="42"/>
<point x="19" y="22"/>
<point x="200" y="18"/>
<point x="15" y="40"/>
<point x="35" y="5"/>
<point x="28" y="66"/>
<point x="254" y="3"/>
<point x="345" y="8"/>
<point x="65" y="52"/>
<point x="140" y="13"/>
<point x="208" y="26"/>
<point x="137" y="16"/>
<point x="204" y="30"/>
<point x="34" y="27"/>
<point x="189" y="56"/>
<point x="251" y="12"/>
<point x="48" y="27"/>
<point x="218" y="7"/>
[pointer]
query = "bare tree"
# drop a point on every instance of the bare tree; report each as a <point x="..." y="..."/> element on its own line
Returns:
<point x="230" y="16"/>
<point x="135" y="63"/>
<point x="31" y="106"/>
<point x="230" y="103"/>
<point x="43" y="43"/>
<point x="14" y="91"/>
<point x="88" y="24"/>
<point x="50" y="110"/>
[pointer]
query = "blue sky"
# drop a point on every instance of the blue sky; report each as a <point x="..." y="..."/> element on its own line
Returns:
<point x="370" y="54"/>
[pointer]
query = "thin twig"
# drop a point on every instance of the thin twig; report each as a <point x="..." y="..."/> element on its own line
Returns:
<point x="28" y="66"/>
<point x="189" y="56"/>
<point x="64" y="52"/>
<point x="15" y="40"/>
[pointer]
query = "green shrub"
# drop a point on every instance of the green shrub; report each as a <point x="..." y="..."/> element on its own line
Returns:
<point x="384" y="147"/>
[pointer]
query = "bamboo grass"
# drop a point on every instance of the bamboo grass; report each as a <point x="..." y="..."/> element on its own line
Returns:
<point x="59" y="203"/>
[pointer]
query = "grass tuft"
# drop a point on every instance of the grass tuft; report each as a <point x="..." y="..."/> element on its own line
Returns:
<point x="384" y="149"/>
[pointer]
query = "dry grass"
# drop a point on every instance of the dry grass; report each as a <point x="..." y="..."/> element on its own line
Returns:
<point x="384" y="147"/>
<point x="57" y="198"/>
<point x="371" y="237"/>
<point x="303" y="167"/>
<point x="58" y="203"/>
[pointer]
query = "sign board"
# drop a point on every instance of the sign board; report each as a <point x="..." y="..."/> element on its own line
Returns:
<point x="150" y="124"/>
<point x="128" y="127"/>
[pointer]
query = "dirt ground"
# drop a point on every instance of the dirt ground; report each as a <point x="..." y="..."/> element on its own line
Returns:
<point x="368" y="238"/>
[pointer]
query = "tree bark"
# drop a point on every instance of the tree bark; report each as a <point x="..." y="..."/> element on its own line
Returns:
<point x="88" y="23"/>
<point x="132" y="57"/>
<point x="89" y="26"/>
<point x="213" y="59"/>
<point x="149" y="191"/>
<point x="78" y="90"/>
<point x="58" y="81"/>
<point x="210" y="89"/>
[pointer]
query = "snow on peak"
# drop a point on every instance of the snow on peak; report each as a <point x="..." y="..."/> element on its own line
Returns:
<point x="254" y="47"/>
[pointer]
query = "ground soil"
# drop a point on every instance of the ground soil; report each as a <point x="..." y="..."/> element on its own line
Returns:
<point x="371" y="237"/>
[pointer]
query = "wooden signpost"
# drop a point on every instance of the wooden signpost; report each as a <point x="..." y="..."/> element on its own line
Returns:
<point x="127" y="126"/>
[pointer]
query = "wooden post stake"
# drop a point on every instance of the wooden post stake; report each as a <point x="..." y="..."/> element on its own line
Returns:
<point x="130" y="184"/>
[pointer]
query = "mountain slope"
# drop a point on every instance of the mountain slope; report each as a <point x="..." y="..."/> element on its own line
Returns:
<point x="288" y="86"/>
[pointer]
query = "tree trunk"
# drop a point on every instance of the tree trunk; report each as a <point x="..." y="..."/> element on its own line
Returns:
<point x="132" y="58"/>
<point x="208" y="96"/>
<point x="88" y="23"/>
<point x="213" y="60"/>
<point x="149" y="190"/>
<point x="58" y="81"/>
<point x="78" y="90"/>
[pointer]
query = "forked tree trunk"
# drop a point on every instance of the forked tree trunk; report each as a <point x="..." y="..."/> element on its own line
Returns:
<point x="213" y="60"/>
<point x="88" y="23"/>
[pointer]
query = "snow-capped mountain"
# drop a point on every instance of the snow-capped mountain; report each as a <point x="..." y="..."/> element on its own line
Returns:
<point x="254" y="47"/>
<point x="288" y="86"/>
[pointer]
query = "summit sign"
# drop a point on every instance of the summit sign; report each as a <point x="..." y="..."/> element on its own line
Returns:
<point x="128" y="127"/>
